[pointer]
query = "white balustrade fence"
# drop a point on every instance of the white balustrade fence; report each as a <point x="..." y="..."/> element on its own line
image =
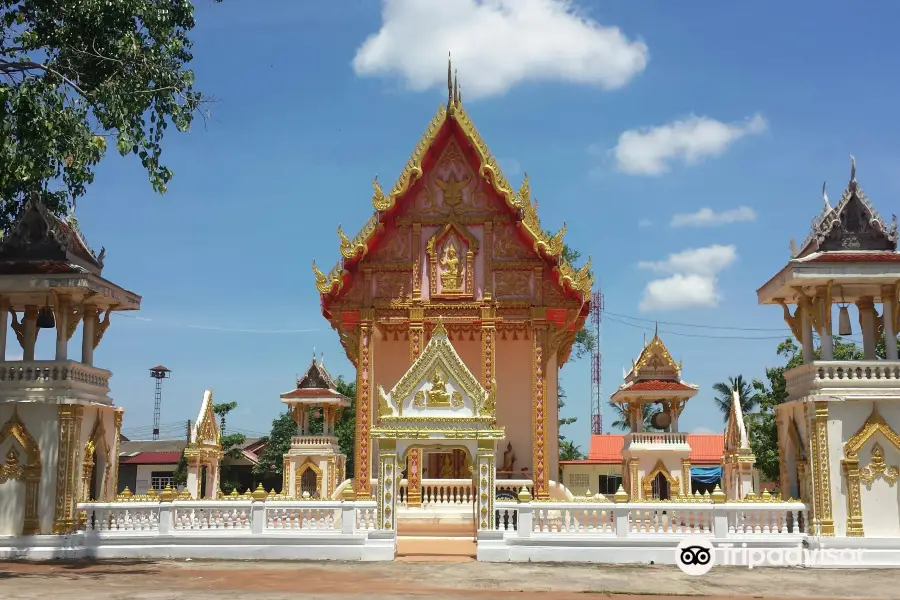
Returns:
<point x="450" y="492"/>
<point x="738" y="519"/>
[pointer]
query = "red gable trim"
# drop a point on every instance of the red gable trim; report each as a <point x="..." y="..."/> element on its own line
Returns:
<point x="152" y="458"/>
<point x="658" y="385"/>
<point x="856" y="257"/>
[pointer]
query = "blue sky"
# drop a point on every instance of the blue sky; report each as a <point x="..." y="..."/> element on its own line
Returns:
<point x="742" y="109"/>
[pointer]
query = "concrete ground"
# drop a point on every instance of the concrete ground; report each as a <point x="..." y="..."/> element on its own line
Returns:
<point x="433" y="579"/>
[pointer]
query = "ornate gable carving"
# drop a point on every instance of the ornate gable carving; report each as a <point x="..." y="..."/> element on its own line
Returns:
<point x="451" y="260"/>
<point x="655" y="362"/>
<point x="206" y="431"/>
<point x="438" y="385"/>
<point x="853" y="224"/>
<point x="508" y="246"/>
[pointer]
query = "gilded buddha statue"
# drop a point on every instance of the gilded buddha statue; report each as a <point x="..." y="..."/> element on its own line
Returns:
<point x="451" y="273"/>
<point x="438" y="395"/>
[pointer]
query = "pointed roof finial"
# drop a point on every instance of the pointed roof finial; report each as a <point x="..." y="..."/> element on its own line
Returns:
<point x="455" y="86"/>
<point x="852" y="168"/>
<point x="449" y="81"/>
<point x="825" y="198"/>
<point x="656" y="329"/>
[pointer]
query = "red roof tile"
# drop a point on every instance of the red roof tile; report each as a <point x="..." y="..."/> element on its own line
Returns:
<point x="706" y="448"/>
<point x="853" y="257"/>
<point x="313" y="393"/>
<point x="659" y="385"/>
<point x="152" y="458"/>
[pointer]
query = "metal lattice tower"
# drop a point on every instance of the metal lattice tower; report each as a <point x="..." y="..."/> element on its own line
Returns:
<point x="158" y="373"/>
<point x="596" y="363"/>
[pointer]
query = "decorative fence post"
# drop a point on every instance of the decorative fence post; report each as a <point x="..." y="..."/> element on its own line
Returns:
<point x="166" y="511"/>
<point x="720" y="515"/>
<point x="258" y="511"/>
<point x="526" y="513"/>
<point x="620" y="512"/>
<point x="348" y="510"/>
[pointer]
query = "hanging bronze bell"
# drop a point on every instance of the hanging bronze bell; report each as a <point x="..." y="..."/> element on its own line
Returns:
<point x="45" y="318"/>
<point x="844" y="321"/>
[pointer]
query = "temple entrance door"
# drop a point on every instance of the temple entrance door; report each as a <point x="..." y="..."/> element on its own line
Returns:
<point x="445" y="524"/>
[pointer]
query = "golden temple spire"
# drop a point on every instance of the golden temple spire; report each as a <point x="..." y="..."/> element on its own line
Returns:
<point x="449" y="81"/>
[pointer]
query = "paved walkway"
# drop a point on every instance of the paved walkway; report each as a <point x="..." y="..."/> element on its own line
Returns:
<point x="208" y="580"/>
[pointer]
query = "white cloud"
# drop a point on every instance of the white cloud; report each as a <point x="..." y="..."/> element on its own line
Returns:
<point x="707" y="217"/>
<point x="497" y="44"/>
<point x="691" y="281"/>
<point x="652" y="150"/>
<point x="645" y="223"/>
<point x="15" y="356"/>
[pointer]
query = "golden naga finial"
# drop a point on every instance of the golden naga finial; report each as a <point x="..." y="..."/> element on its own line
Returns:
<point x="345" y="242"/>
<point x="321" y="281"/>
<point x="523" y="196"/>
<point x="583" y="278"/>
<point x="379" y="201"/>
<point x="555" y="245"/>
<point x="449" y="81"/>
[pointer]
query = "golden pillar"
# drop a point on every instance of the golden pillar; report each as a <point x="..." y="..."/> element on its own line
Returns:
<point x="67" y="472"/>
<point x="414" y="456"/>
<point x="822" y="469"/>
<point x="364" y="374"/>
<point x="539" y="414"/>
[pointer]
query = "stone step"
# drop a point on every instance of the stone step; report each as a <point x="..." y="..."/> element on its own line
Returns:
<point x="436" y="548"/>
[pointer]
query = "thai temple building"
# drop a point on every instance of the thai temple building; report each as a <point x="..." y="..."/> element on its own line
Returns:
<point x="457" y="310"/>
<point x="59" y="430"/>
<point x="839" y="430"/>
<point x="455" y="298"/>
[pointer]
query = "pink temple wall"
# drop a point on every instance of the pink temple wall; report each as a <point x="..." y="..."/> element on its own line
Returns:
<point x="513" y="360"/>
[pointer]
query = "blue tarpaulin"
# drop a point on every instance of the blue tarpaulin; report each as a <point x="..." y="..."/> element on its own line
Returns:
<point x="708" y="475"/>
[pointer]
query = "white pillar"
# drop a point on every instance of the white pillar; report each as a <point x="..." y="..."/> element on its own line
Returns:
<point x="88" y="332"/>
<point x="823" y="307"/>
<point x="30" y="323"/>
<point x="387" y="482"/>
<point x="484" y="478"/>
<point x="866" y="308"/>
<point x="193" y="478"/>
<point x="806" y="331"/>
<point x="4" y="326"/>
<point x="62" y="337"/>
<point x="888" y="295"/>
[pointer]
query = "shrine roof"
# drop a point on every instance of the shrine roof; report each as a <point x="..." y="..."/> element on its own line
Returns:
<point x="317" y="386"/>
<point x="39" y="242"/>
<point x="851" y="225"/>
<point x="453" y="120"/>
<point x="658" y="385"/>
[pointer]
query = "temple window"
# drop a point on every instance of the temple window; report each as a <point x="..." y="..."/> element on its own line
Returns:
<point x="578" y="482"/>
<point x="159" y="480"/>
<point x="609" y="484"/>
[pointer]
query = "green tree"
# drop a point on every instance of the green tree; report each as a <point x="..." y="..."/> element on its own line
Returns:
<point x="277" y="443"/>
<point x="762" y="429"/>
<point x="345" y="430"/>
<point x="232" y="446"/>
<point x="74" y="73"/>
<point x="746" y="392"/>
<point x="179" y="475"/>
<point x="620" y="415"/>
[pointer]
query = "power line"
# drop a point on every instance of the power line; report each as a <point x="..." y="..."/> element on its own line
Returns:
<point x="695" y="335"/>
<point x="219" y="329"/>
<point x="696" y="325"/>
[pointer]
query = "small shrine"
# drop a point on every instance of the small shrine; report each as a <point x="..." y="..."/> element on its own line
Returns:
<point x="738" y="461"/>
<point x="314" y="466"/>
<point x="204" y="453"/>
<point x="655" y="464"/>
<point x="59" y="429"/>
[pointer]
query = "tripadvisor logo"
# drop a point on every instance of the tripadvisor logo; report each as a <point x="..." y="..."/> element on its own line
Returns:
<point x="696" y="556"/>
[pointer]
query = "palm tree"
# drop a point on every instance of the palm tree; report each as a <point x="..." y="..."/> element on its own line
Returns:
<point x="620" y="413"/>
<point x="748" y="397"/>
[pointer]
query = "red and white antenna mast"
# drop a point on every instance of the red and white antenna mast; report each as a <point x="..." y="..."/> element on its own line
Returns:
<point x="596" y="363"/>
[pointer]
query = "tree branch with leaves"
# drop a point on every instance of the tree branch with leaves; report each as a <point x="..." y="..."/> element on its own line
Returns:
<point x="72" y="75"/>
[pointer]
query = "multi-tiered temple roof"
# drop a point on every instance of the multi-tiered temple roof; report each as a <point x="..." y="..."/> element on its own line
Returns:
<point x="652" y="373"/>
<point x="851" y="249"/>
<point x="451" y="122"/>
<point x="315" y="386"/>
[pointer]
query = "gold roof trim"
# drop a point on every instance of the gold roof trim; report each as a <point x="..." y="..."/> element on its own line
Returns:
<point x="552" y="245"/>
<point x="655" y="348"/>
